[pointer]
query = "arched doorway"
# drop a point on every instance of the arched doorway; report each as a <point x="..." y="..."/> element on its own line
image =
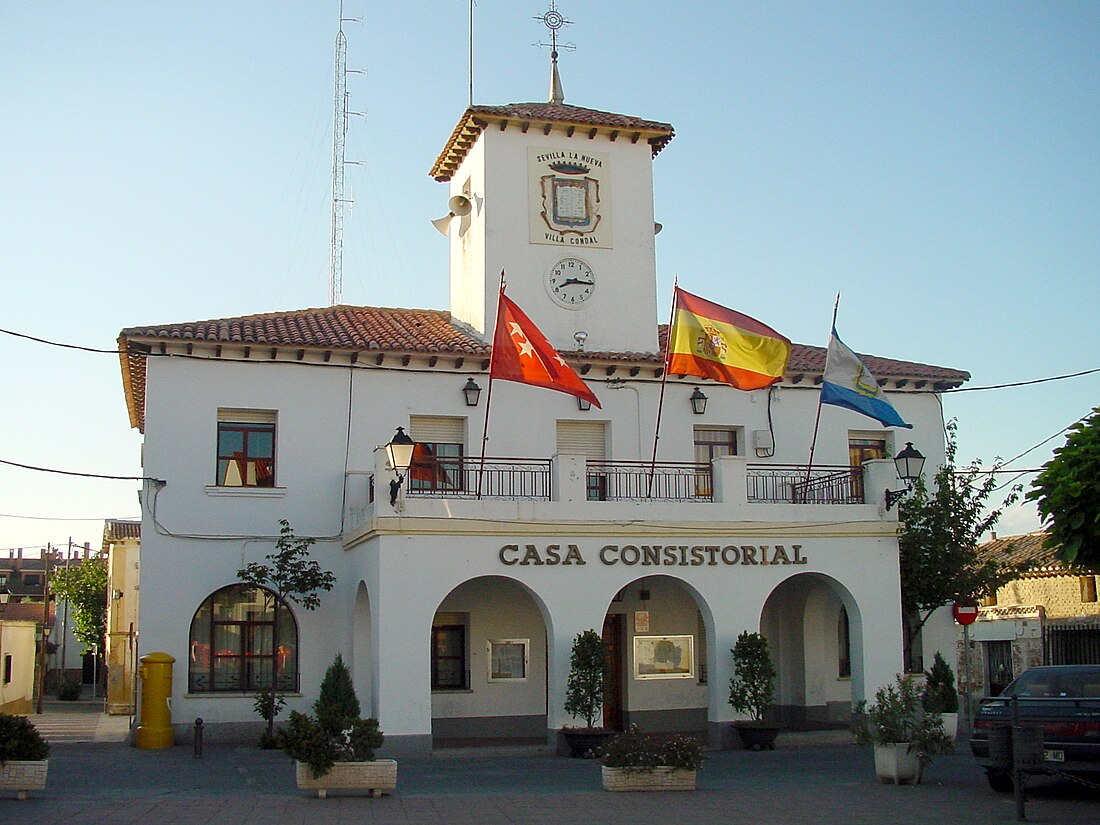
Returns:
<point x="656" y="629"/>
<point x="814" y="630"/>
<point x="362" y="670"/>
<point x="488" y="665"/>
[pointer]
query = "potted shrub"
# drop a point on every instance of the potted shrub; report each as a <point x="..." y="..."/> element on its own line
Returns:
<point x="752" y="691"/>
<point x="588" y="670"/>
<point x="334" y="749"/>
<point x="940" y="695"/>
<point x="904" y="735"/>
<point x="23" y="752"/>
<point x="636" y="761"/>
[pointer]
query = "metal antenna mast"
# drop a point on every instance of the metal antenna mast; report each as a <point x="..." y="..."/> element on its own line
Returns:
<point x="339" y="132"/>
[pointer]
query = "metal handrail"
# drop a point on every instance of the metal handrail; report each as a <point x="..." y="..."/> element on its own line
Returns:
<point x="473" y="477"/>
<point x="797" y="484"/>
<point x="645" y="480"/>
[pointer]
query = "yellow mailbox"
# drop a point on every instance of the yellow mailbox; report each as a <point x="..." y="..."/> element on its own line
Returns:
<point x="155" y="730"/>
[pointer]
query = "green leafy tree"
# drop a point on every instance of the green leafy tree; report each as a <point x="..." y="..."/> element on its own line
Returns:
<point x="84" y="587"/>
<point x="938" y="535"/>
<point x="752" y="687"/>
<point x="588" y="671"/>
<point x="289" y="575"/>
<point x="1068" y="496"/>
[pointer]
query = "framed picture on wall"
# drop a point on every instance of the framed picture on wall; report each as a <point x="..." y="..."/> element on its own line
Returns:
<point x="664" y="657"/>
<point x="508" y="659"/>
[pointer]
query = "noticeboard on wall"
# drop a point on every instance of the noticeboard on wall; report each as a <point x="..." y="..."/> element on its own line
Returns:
<point x="508" y="659"/>
<point x="664" y="657"/>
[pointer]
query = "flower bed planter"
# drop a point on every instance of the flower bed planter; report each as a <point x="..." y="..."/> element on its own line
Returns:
<point x="895" y="765"/>
<point x="648" y="779"/>
<point x="376" y="776"/>
<point x="585" y="742"/>
<point x="951" y="725"/>
<point x="757" y="736"/>
<point x="22" y="777"/>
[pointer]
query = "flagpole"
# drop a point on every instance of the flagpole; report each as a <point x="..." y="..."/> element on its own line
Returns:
<point x="661" y="400"/>
<point x="489" y="392"/>
<point x="817" y="420"/>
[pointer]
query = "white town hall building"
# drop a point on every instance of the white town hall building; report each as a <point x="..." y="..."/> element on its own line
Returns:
<point x="457" y="606"/>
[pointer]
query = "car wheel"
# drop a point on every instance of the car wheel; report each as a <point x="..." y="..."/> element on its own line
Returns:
<point x="1000" y="781"/>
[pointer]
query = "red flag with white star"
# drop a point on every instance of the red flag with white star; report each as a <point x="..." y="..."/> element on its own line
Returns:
<point x="521" y="353"/>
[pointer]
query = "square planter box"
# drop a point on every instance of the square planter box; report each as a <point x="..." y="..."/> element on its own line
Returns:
<point x="648" y="779"/>
<point x="23" y="776"/>
<point x="373" y="776"/>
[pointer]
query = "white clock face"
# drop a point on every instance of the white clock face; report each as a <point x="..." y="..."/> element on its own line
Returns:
<point x="571" y="282"/>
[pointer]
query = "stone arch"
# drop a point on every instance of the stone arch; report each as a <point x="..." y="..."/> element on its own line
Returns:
<point x="240" y="638"/>
<point x="363" y="671"/>
<point x="488" y="648"/>
<point x="800" y="619"/>
<point x="655" y="696"/>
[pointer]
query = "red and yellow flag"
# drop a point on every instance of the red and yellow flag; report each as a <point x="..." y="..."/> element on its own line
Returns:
<point x="714" y="342"/>
<point x="521" y="353"/>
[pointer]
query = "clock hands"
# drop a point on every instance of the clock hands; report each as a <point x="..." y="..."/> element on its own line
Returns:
<point x="570" y="281"/>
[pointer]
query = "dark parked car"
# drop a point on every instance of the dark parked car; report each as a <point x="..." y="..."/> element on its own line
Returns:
<point x="1065" y="701"/>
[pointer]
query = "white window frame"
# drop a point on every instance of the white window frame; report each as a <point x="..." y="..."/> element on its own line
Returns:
<point x="492" y="646"/>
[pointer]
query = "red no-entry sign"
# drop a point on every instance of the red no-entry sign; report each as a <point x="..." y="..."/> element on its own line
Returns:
<point x="964" y="613"/>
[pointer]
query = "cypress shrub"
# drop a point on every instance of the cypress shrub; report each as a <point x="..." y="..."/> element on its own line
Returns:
<point x="337" y="706"/>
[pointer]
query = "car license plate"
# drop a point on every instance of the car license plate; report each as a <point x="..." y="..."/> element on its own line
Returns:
<point x="1054" y="756"/>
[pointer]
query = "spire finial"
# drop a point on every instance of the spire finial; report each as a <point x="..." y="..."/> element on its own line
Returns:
<point x="554" y="20"/>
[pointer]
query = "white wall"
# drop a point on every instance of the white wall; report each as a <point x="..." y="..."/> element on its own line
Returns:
<point x="17" y="640"/>
<point x="622" y="314"/>
<point x="196" y="536"/>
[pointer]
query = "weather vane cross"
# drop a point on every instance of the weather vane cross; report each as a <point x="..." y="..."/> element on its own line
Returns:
<point x="554" y="20"/>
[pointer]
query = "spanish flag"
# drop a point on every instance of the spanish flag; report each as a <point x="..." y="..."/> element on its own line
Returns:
<point x="714" y="342"/>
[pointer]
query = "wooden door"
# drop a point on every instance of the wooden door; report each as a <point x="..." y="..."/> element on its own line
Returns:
<point x="613" y="692"/>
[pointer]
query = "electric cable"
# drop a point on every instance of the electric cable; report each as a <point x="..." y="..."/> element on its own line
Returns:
<point x="81" y="475"/>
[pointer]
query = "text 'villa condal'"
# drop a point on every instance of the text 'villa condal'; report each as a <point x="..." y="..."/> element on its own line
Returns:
<point x="658" y="555"/>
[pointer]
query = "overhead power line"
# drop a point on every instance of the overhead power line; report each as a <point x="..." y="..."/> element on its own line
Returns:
<point x="81" y="475"/>
<point x="1025" y="383"/>
<point x="58" y="344"/>
<point x="69" y="518"/>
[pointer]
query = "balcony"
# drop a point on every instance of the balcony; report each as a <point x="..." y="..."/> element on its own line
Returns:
<point x="794" y="484"/>
<point x="572" y="488"/>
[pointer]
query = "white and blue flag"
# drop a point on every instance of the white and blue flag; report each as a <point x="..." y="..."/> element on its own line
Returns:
<point x="848" y="383"/>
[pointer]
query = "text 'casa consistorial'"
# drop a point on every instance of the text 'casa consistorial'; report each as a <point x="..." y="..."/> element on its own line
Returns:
<point x="655" y="555"/>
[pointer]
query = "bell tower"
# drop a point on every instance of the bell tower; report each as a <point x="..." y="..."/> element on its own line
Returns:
<point x="560" y="197"/>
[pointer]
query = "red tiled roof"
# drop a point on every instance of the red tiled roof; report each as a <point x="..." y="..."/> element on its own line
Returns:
<point x="115" y="530"/>
<point x="26" y="612"/>
<point x="1026" y="552"/>
<point x="380" y="330"/>
<point x="806" y="358"/>
<point x="339" y="327"/>
<point x="545" y="116"/>
<point x="810" y="360"/>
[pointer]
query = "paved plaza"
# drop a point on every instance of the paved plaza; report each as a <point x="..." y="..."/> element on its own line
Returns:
<point x="807" y="779"/>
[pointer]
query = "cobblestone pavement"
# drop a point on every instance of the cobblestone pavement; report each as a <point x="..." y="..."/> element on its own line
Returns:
<point x="819" y="784"/>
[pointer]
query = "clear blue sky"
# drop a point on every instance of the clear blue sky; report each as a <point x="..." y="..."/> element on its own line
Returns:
<point x="936" y="163"/>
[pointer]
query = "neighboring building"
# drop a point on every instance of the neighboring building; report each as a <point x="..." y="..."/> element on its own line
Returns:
<point x="1050" y="615"/>
<point x="23" y="577"/>
<point x="122" y="548"/>
<point x="456" y="608"/>
<point x="17" y="662"/>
